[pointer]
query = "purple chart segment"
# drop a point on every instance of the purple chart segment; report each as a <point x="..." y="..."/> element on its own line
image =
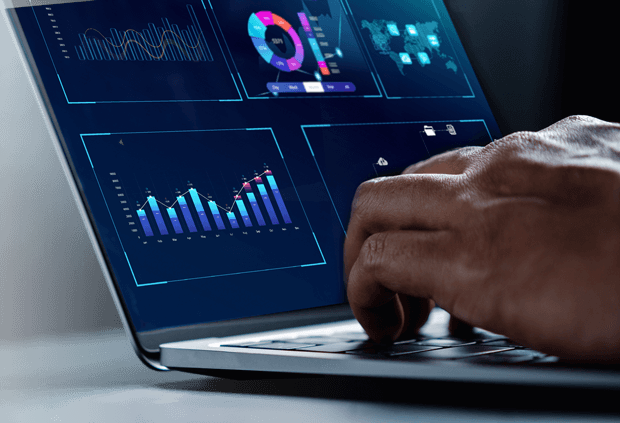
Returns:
<point x="244" y="212"/>
<point x="254" y="204"/>
<point x="278" y="196"/>
<point x="158" y="217"/>
<point x="172" y="213"/>
<point x="263" y="193"/>
<point x="233" y="220"/>
<point x="200" y="209"/>
<point x="217" y="216"/>
<point x="145" y="223"/>
<point x="187" y="215"/>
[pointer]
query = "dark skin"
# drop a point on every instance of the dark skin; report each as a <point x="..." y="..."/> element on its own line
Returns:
<point x="521" y="238"/>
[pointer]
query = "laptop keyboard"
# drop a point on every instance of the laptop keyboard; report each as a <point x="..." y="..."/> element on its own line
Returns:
<point x="488" y="349"/>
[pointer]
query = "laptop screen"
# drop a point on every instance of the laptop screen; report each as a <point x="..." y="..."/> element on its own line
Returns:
<point x="217" y="144"/>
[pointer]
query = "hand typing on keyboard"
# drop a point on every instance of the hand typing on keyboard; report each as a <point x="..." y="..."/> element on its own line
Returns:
<point x="521" y="237"/>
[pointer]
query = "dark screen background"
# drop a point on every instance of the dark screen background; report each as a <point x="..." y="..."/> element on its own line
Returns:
<point x="162" y="127"/>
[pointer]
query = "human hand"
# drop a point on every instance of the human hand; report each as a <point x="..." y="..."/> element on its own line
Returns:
<point x="521" y="238"/>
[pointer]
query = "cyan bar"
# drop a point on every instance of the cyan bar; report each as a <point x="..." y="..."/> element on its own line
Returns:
<point x="199" y="34"/>
<point x="171" y="39"/>
<point x="138" y="42"/>
<point x="270" y="211"/>
<point x="116" y="39"/>
<point x="159" y="219"/>
<point x="149" y="50"/>
<point x="278" y="196"/>
<point x="77" y="51"/>
<point x="187" y="214"/>
<point x="182" y="45"/>
<point x="131" y="48"/>
<point x="148" y="231"/>
<point x="155" y="41"/>
<point x="162" y="37"/>
<point x="200" y="210"/>
<point x="175" y="221"/>
<point x="233" y="220"/>
<point x="105" y="52"/>
<point x="256" y="209"/>
<point x="244" y="213"/>
<point x="216" y="215"/>
<point x="93" y="42"/>
<point x="190" y="53"/>
<point x="87" y="52"/>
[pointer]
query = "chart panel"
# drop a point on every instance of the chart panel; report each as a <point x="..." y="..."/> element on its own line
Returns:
<point x="398" y="145"/>
<point x="137" y="51"/>
<point x="202" y="204"/>
<point x="295" y="49"/>
<point x="411" y="49"/>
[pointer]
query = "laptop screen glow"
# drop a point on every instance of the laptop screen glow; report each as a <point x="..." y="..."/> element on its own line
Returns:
<point x="218" y="144"/>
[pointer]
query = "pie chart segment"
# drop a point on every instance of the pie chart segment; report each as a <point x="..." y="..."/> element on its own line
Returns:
<point x="257" y="27"/>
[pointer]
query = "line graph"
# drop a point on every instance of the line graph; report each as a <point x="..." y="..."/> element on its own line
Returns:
<point x="165" y="43"/>
<point x="238" y="203"/>
<point x="182" y="216"/>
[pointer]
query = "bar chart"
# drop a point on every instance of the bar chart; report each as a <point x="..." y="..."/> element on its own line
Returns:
<point x="167" y="43"/>
<point x="136" y="51"/>
<point x="150" y="211"/>
<point x="229" y="208"/>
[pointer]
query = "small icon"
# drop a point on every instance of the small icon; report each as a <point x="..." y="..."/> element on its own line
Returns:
<point x="338" y="52"/>
<point x="380" y="162"/>
<point x="433" y="40"/>
<point x="121" y="142"/>
<point x="429" y="131"/>
<point x="393" y="29"/>
<point x="424" y="59"/>
<point x="405" y="58"/>
<point x="451" y="129"/>
<point x="411" y="30"/>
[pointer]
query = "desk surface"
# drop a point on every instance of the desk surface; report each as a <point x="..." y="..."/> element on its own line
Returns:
<point x="97" y="378"/>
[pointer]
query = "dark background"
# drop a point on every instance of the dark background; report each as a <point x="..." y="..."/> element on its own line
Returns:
<point x="538" y="61"/>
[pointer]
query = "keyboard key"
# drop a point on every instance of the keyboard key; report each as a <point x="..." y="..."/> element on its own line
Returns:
<point x="393" y="350"/>
<point x="445" y="342"/>
<point x="351" y="336"/>
<point x="340" y="347"/>
<point x="505" y="357"/>
<point x="503" y="343"/>
<point x="317" y="340"/>
<point x="453" y="353"/>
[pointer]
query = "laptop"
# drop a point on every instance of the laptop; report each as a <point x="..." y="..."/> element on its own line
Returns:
<point x="213" y="148"/>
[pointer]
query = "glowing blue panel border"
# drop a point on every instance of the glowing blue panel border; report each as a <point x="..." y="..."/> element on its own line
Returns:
<point x="472" y="95"/>
<point x="303" y="128"/>
<point x="82" y="136"/>
<point x="240" y="98"/>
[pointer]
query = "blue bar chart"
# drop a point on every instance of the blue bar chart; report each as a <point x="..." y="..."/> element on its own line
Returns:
<point x="235" y="215"/>
<point x="219" y="211"/>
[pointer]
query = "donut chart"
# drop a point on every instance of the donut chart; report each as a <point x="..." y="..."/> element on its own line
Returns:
<point x="257" y="27"/>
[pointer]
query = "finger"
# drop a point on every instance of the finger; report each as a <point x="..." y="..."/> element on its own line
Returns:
<point x="451" y="162"/>
<point x="401" y="202"/>
<point x="392" y="265"/>
<point x="415" y="314"/>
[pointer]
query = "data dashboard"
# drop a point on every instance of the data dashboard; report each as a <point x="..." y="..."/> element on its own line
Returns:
<point x="217" y="144"/>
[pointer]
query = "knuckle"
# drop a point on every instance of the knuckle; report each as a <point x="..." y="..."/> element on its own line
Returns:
<point x="373" y="254"/>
